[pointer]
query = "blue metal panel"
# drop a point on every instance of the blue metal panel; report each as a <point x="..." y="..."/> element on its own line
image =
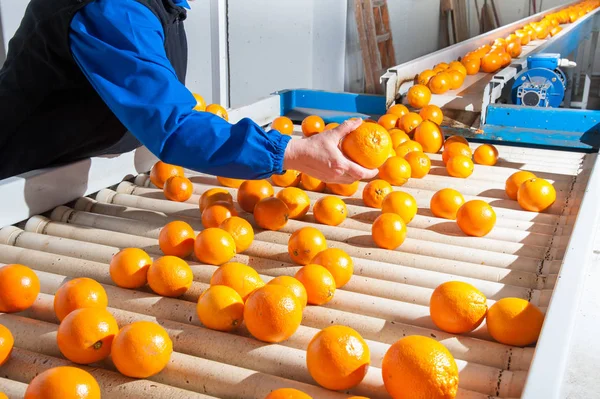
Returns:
<point x="550" y="119"/>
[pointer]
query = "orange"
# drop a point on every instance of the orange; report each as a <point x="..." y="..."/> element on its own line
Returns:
<point x="296" y="200"/>
<point x="228" y="182"/>
<point x="407" y="147"/>
<point x="141" y="349"/>
<point x="512" y="38"/>
<point x="402" y="204"/>
<point x="514" y="182"/>
<point x="331" y="125"/>
<point x="452" y="139"/>
<point x="536" y="195"/>
<point x="457" y="307"/>
<point x="398" y="109"/>
<point x="218" y="110"/>
<point x="541" y="31"/>
<point x="472" y="65"/>
<point x="291" y="178"/>
<point x="312" y="184"/>
<point x="442" y="66"/>
<point x="129" y="268"/>
<point x="476" y="218"/>
<point x="418" y="96"/>
<point x="161" y="171"/>
<point x="409" y="122"/>
<point x="294" y="285"/>
<point x="429" y="135"/>
<point x="459" y="166"/>
<point x="287" y="393"/>
<point x="431" y="113"/>
<point x="456" y="148"/>
<point x="252" y="191"/>
<point x="369" y="145"/>
<point x="375" y="191"/>
<point x="440" y="83"/>
<point x="304" y="244"/>
<point x="272" y="313"/>
<point x="458" y="66"/>
<point x="486" y="154"/>
<point x="491" y="62"/>
<point x="330" y="210"/>
<point x="240" y="230"/>
<point x="63" y="382"/>
<point x="178" y="188"/>
<point x="483" y="50"/>
<point x="555" y="31"/>
<point x="523" y="36"/>
<point x="214" y="246"/>
<point x="19" y="288"/>
<point x="338" y="358"/>
<point x="79" y="293"/>
<point x="346" y="190"/>
<point x="425" y="76"/>
<point x="399" y="136"/>
<point x="217" y="213"/>
<point x="85" y="335"/>
<point x="445" y="203"/>
<point x="419" y="162"/>
<point x="514" y="49"/>
<point x="506" y="59"/>
<point x="500" y="42"/>
<point x="396" y="171"/>
<point x="388" y="231"/>
<point x="177" y="239"/>
<point x="7" y="343"/>
<point x="220" y="308"/>
<point x="514" y="321"/>
<point x="200" y="103"/>
<point x="456" y="79"/>
<point x="319" y="283"/>
<point x="170" y="276"/>
<point x="339" y="264"/>
<point x="271" y="213"/>
<point x="283" y="125"/>
<point x="213" y="195"/>
<point x="312" y="124"/>
<point x="388" y="121"/>
<point x="242" y="278"/>
<point x="419" y="367"/>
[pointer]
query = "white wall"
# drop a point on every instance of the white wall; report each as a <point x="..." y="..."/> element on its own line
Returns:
<point x="197" y="27"/>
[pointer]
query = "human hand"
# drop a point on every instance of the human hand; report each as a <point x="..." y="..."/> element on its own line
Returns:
<point x="320" y="156"/>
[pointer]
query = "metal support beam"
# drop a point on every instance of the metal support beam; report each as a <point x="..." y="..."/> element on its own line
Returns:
<point x="219" y="52"/>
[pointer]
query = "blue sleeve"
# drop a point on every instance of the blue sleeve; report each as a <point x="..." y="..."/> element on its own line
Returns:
<point x="119" y="46"/>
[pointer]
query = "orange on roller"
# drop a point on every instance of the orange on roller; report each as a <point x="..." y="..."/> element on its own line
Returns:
<point x="177" y="239"/>
<point x="409" y="122"/>
<point x="396" y="171"/>
<point x="400" y="203"/>
<point x="305" y="244"/>
<point x="388" y="231"/>
<point x="241" y="278"/>
<point x="213" y="195"/>
<point x="339" y="264"/>
<point x="476" y="218"/>
<point x="514" y="182"/>
<point x="429" y="135"/>
<point x="240" y="230"/>
<point x="311" y="183"/>
<point x="291" y="178"/>
<point x="375" y="191"/>
<point x="536" y="195"/>
<point x="252" y="191"/>
<point x="486" y="154"/>
<point x="283" y="125"/>
<point x="419" y="162"/>
<point x="296" y="200"/>
<point x="460" y="166"/>
<point x="457" y="307"/>
<point x="514" y="321"/>
<point x="345" y="190"/>
<point x="398" y="109"/>
<point x="388" y="121"/>
<point x="446" y="203"/>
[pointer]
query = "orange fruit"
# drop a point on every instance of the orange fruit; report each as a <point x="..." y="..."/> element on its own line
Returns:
<point x="483" y="50"/>
<point x="523" y="36"/>
<point x="514" y="49"/>
<point x="476" y="218"/>
<point x="506" y="59"/>
<point x="514" y="182"/>
<point x="312" y="124"/>
<point x="19" y="288"/>
<point x="338" y="358"/>
<point x="457" y="307"/>
<point x="555" y="31"/>
<point x="388" y="121"/>
<point x="213" y="195"/>
<point x="287" y="393"/>
<point x="240" y="230"/>
<point x="129" y="268"/>
<point x="272" y="313"/>
<point x="431" y="113"/>
<point x="514" y="321"/>
<point x="177" y="239"/>
<point x="440" y="83"/>
<point x="214" y="246"/>
<point x="458" y="66"/>
<point x="459" y="166"/>
<point x="536" y="195"/>
<point x="419" y="367"/>
<point x="217" y="213"/>
<point x="170" y="276"/>
<point x="252" y="191"/>
<point x="429" y="135"/>
<point x="500" y="42"/>
<point x="425" y="76"/>
<point x="453" y="139"/>
<point x="375" y="191"/>
<point x="409" y="122"/>
<point x="456" y="79"/>
<point x="445" y="203"/>
<point x="296" y="200"/>
<point x="472" y="65"/>
<point x="512" y="38"/>
<point x="220" y="308"/>
<point x="228" y="182"/>
<point x="294" y="285"/>
<point x="400" y="203"/>
<point x="442" y="66"/>
<point x="330" y="210"/>
<point x="85" y="335"/>
<point x="178" y="188"/>
<point x="63" y="382"/>
<point x="331" y="125"/>
<point x="7" y="343"/>
<point x="396" y="171"/>
<point x="369" y="145"/>
<point x="141" y="349"/>
<point x="312" y="184"/>
<point x="419" y="162"/>
<point x="218" y="110"/>
<point x="291" y="178"/>
<point x="319" y="283"/>
<point x="304" y="244"/>
<point x="398" y="109"/>
<point x="200" y="103"/>
<point x="271" y="213"/>
<point x="346" y="190"/>
<point x="161" y="171"/>
<point x="407" y="147"/>
<point x="418" y="96"/>
<point x="456" y="148"/>
<point x="242" y="278"/>
<point x="339" y="264"/>
<point x="491" y="62"/>
<point x="79" y="293"/>
<point x="388" y="231"/>
<point x="399" y="136"/>
<point x="486" y="154"/>
<point x="541" y="31"/>
<point x="283" y="125"/>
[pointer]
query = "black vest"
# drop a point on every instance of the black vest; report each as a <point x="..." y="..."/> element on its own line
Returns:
<point x="49" y="112"/>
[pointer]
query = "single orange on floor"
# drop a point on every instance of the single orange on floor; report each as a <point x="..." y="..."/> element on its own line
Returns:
<point x="229" y="182"/>
<point x="456" y="148"/>
<point x="141" y="349"/>
<point x="536" y="195"/>
<point x="419" y="162"/>
<point x="425" y="76"/>
<point x="218" y="110"/>
<point x="514" y="182"/>
<point x="339" y="264"/>
<point x="287" y="393"/>
<point x="486" y="154"/>
<point x="398" y="109"/>
<point x="161" y="171"/>
<point x="491" y="62"/>
<point x="297" y="201"/>
<point x="476" y="218"/>
<point x="305" y="244"/>
<point x="457" y="307"/>
<point x="177" y="239"/>
<point x="294" y="285"/>
<point x="375" y="191"/>
<point x="460" y="166"/>
<point x="418" y="96"/>
<point x="369" y="145"/>
<point x="129" y="268"/>
<point x="422" y="366"/>
<point x="402" y="204"/>
<point x="217" y="213"/>
<point x="407" y="147"/>
<point x="429" y="135"/>
<point x="388" y="231"/>
<point x="440" y="83"/>
<point x="283" y="125"/>
<point x="63" y="382"/>
<point x="252" y="191"/>
<point x="200" y="102"/>
<point x="431" y="113"/>
<point x="272" y="313"/>
<point x="514" y="321"/>
<point x="446" y="203"/>
<point x="85" y="336"/>
<point x="79" y="293"/>
<point x="7" y="343"/>
<point x="19" y="288"/>
<point x="338" y="358"/>
<point x="178" y="188"/>
<point x="240" y="230"/>
<point x="409" y="122"/>
<point x="456" y="79"/>
<point x="396" y="171"/>
<point x="388" y="121"/>
<point x="331" y="125"/>
<point x="330" y="210"/>
<point x="398" y="136"/>
<point x="170" y="276"/>
<point x="345" y="190"/>
<point x="319" y="283"/>
<point x="312" y="184"/>
<point x="291" y="178"/>
<point x="214" y="246"/>
<point x="220" y="308"/>
<point x="213" y="195"/>
<point x="472" y="65"/>
<point x="312" y="124"/>
<point x="242" y="278"/>
<point x="271" y="213"/>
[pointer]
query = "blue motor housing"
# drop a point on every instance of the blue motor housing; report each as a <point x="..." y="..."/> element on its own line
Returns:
<point x="542" y="84"/>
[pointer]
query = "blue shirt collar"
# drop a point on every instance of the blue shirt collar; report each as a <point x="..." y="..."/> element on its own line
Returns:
<point x="182" y="3"/>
